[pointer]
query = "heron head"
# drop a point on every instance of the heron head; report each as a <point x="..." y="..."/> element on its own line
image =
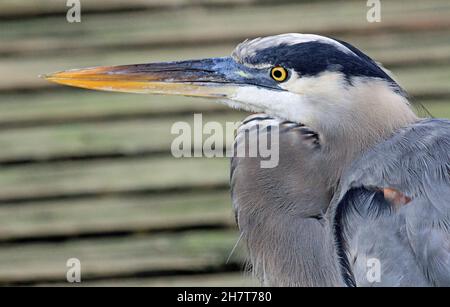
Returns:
<point x="305" y="78"/>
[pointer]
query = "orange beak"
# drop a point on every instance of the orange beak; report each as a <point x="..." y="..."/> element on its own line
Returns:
<point x="199" y="78"/>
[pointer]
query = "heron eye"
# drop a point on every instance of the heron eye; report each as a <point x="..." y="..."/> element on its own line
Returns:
<point x="279" y="73"/>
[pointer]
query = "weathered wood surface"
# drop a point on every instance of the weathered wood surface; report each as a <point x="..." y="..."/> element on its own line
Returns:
<point x="185" y="253"/>
<point x="89" y="175"/>
<point x="127" y="137"/>
<point x="195" y="25"/>
<point x="229" y="279"/>
<point x="53" y="221"/>
<point x="109" y="177"/>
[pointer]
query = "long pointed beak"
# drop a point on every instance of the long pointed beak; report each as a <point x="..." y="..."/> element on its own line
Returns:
<point x="211" y="78"/>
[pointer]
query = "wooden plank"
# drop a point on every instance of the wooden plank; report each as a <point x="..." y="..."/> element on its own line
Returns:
<point x="78" y="106"/>
<point x="135" y="137"/>
<point x="135" y="256"/>
<point x="196" y="26"/>
<point x="205" y="280"/>
<point x="12" y="9"/>
<point x="439" y="109"/>
<point x="345" y="12"/>
<point x="109" y="177"/>
<point x="424" y="80"/>
<point x="59" y="220"/>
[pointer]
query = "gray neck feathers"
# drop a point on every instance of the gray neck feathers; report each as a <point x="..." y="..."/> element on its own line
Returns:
<point x="281" y="212"/>
<point x="372" y="113"/>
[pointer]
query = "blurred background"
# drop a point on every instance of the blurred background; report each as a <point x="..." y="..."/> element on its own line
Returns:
<point x="89" y="175"/>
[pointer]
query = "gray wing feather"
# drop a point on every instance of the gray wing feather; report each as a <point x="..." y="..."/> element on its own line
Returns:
<point x="280" y="210"/>
<point x="413" y="242"/>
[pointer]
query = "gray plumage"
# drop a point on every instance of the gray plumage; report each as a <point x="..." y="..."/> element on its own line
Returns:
<point x="412" y="242"/>
<point x="280" y="211"/>
<point x="372" y="184"/>
<point x="296" y="238"/>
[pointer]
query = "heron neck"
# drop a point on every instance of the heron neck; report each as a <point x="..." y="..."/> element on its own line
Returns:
<point x="376" y="113"/>
<point x="281" y="211"/>
<point x="304" y="255"/>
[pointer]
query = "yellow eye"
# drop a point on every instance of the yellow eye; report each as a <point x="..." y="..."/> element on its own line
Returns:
<point x="279" y="74"/>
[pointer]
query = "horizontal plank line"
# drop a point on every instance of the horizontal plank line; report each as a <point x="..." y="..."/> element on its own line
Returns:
<point x="417" y="62"/>
<point x="102" y="156"/>
<point x="33" y="199"/>
<point x="400" y="26"/>
<point x="426" y="95"/>
<point x="207" y="270"/>
<point x="33" y="89"/>
<point x="63" y="237"/>
<point x="140" y="6"/>
<point x="24" y="161"/>
<point x="105" y="118"/>
<point x="29" y="15"/>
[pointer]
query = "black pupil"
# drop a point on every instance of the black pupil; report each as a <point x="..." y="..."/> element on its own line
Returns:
<point x="277" y="74"/>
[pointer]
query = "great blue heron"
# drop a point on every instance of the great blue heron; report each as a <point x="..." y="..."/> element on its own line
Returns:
<point x="360" y="176"/>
